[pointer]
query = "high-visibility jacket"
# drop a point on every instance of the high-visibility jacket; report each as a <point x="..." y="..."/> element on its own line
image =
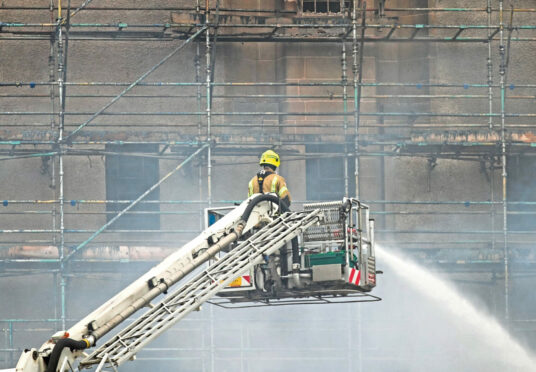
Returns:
<point x="271" y="182"/>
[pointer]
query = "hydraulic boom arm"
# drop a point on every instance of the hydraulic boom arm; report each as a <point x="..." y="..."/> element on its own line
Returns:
<point x="65" y="347"/>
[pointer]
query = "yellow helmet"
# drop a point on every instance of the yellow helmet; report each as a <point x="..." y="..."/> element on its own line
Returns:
<point x="270" y="157"/>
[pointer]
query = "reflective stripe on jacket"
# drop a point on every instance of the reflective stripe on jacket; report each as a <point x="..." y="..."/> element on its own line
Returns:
<point x="272" y="183"/>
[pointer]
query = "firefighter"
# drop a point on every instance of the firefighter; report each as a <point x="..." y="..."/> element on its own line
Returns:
<point x="267" y="180"/>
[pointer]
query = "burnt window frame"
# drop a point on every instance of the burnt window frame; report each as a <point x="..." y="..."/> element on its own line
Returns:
<point x="139" y="173"/>
<point x="324" y="6"/>
<point x="324" y="169"/>
<point x="521" y="187"/>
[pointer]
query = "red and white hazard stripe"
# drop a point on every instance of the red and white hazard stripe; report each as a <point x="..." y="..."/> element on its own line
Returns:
<point x="354" y="277"/>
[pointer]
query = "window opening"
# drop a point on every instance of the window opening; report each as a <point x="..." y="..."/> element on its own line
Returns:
<point x="325" y="173"/>
<point x="127" y="177"/>
<point x="521" y="172"/>
<point x="323" y="6"/>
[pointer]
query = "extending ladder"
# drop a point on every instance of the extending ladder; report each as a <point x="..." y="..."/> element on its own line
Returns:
<point x="203" y="286"/>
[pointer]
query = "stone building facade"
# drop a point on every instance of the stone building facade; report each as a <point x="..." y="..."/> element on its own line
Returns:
<point x="428" y="152"/>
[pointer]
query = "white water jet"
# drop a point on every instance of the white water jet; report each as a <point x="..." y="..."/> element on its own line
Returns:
<point x="495" y="347"/>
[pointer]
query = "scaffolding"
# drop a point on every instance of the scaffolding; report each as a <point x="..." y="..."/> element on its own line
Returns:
<point x="206" y="118"/>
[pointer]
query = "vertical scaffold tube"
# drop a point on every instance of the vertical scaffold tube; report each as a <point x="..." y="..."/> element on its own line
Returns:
<point x="344" y="81"/>
<point x="490" y="69"/>
<point x="61" y="126"/>
<point x="209" y="102"/>
<point x="197" y="63"/>
<point x="209" y="156"/>
<point x="502" y="73"/>
<point x="52" y="93"/>
<point x="357" y="58"/>
<point x="490" y="123"/>
<point x="356" y="104"/>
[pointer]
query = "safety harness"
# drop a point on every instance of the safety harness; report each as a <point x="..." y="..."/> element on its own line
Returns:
<point x="261" y="175"/>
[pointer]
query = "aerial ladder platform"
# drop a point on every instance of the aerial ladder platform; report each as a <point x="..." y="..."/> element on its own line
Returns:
<point x="258" y="253"/>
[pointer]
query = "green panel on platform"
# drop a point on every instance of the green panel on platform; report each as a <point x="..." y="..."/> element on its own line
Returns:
<point x="327" y="258"/>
